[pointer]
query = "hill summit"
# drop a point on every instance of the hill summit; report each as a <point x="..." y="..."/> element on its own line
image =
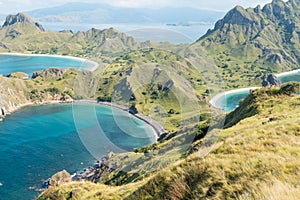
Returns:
<point x="249" y="41"/>
<point x="21" y="18"/>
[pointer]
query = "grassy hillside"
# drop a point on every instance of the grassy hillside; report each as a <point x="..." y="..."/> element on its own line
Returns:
<point x="46" y="86"/>
<point x="158" y="83"/>
<point x="258" y="158"/>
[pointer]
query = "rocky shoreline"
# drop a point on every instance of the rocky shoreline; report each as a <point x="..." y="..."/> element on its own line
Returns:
<point x="91" y="173"/>
<point x="94" y="173"/>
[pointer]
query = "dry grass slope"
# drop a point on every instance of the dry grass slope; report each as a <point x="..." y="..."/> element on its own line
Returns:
<point x="258" y="158"/>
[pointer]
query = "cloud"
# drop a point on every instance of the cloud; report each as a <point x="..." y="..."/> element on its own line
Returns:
<point x="25" y="5"/>
<point x="20" y="1"/>
<point x="203" y="4"/>
<point x="140" y="3"/>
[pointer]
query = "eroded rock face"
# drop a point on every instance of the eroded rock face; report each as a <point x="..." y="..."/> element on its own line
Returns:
<point x="20" y="17"/>
<point x="270" y="80"/>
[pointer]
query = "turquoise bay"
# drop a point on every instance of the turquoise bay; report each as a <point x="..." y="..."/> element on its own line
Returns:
<point x="38" y="141"/>
<point x="27" y="63"/>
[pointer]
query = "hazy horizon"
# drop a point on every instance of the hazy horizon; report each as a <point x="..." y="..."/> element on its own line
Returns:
<point x="14" y="6"/>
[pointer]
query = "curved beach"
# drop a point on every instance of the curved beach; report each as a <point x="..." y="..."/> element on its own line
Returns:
<point x="94" y="64"/>
<point x="288" y="73"/>
<point x="214" y="101"/>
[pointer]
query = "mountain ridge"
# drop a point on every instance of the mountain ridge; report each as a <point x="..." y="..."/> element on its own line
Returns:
<point x="20" y="33"/>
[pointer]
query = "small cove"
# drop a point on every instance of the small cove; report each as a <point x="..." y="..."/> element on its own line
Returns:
<point x="228" y="101"/>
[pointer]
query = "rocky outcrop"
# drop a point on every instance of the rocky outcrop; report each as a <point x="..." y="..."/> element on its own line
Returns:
<point x="59" y="178"/>
<point x="237" y="15"/>
<point x="39" y="26"/>
<point x="2" y="113"/>
<point x="21" y="18"/>
<point x="3" y="46"/>
<point x="270" y="80"/>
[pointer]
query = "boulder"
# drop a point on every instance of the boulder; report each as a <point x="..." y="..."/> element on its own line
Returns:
<point x="59" y="178"/>
<point x="3" y="111"/>
<point x="270" y="80"/>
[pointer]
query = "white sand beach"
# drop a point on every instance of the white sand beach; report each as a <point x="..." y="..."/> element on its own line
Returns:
<point x="94" y="64"/>
<point x="288" y="73"/>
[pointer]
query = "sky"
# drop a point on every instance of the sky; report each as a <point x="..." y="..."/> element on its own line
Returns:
<point x="14" y="6"/>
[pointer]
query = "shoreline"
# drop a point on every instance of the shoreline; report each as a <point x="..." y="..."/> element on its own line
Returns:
<point x="214" y="101"/>
<point x="24" y="105"/>
<point x="288" y="73"/>
<point x="94" y="64"/>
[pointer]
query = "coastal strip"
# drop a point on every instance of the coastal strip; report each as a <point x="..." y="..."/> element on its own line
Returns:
<point x="158" y="129"/>
<point x="288" y="73"/>
<point x="214" y="101"/>
<point x="94" y="64"/>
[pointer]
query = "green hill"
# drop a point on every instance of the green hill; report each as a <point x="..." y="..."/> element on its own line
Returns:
<point x="47" y="85"/>
<point x="247" y="43"/>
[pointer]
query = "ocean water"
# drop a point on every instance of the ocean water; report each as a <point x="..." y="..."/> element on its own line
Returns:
<point x="28" y="64"/>
<point x="231" y="101"/>
<point x="38" y="141"/>
<point x="290" y="77"/>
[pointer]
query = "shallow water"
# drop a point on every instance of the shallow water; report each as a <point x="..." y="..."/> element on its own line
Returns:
<point x="38" y="141"/>
<point x="231" y="101"/>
